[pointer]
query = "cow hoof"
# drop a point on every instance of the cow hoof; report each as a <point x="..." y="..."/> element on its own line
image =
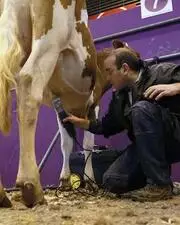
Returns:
<point x="65" y="185"/>
<point x="31" y="195"/>
<point x="4" y="201"/>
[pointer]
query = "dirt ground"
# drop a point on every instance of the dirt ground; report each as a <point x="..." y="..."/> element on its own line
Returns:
<point x="73" y="208"/>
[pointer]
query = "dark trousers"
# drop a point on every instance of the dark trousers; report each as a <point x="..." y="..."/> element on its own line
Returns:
<point x="156" y="146"/>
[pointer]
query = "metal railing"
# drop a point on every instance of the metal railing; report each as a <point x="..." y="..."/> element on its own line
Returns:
<point x="97" y="6"/>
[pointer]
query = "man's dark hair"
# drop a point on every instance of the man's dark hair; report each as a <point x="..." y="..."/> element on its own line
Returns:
<point x="125" y="55"/>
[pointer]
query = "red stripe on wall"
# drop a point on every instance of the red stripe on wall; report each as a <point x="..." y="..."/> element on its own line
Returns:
<point x="113" y="11"/>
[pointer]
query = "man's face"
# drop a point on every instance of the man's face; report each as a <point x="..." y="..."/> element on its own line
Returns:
<point x="118" y="78"/>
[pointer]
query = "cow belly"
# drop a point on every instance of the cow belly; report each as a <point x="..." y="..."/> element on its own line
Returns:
<point x="71" y="67"/>
<point x="73" y="102"/>
<point x="73" y="89"/>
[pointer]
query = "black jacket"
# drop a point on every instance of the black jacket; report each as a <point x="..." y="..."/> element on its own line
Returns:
<point x="117" y="119"/>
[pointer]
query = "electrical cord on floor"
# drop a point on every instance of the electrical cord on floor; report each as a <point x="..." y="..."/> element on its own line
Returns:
<point x="84" y="191"/>
<point x="94" y="191"/>
<point x="72" y="133"/>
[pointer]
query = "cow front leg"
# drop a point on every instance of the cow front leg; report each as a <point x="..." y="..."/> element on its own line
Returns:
<point x="66" y="148"/>
<point x="28" y="174"/>
<point x="32" y="81"/>
<point x="4" y="201"/>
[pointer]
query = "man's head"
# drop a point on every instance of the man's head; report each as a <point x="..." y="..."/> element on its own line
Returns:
<point x="122" y="67"/>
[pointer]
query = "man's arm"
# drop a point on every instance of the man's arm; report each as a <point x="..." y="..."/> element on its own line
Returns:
<point x="77" y="121"/>
<point x="106" y="127"/>
<point x="112" y="123"/>
<point x="94" y="126"/>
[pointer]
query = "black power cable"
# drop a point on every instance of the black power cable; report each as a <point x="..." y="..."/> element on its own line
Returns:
<point x="72" y="133"/>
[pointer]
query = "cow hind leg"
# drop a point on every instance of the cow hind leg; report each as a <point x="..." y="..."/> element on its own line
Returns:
<point x="88" y="144"/>
<point x="4" y="200"/>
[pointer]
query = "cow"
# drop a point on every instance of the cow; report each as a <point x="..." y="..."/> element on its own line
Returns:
<point x="46" y="52"/>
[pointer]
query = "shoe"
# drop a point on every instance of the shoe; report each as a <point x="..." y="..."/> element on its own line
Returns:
<point x="150" y="193"/>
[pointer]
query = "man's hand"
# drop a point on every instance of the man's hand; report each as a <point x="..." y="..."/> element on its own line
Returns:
<point x="159" y="91"/>
<point x="78" y="122"/>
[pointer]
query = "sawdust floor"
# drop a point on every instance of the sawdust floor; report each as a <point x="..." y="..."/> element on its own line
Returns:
<point x="72" y="208"/>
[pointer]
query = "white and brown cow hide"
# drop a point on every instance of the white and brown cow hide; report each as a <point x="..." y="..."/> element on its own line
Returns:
<point x="46" y="51"/>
